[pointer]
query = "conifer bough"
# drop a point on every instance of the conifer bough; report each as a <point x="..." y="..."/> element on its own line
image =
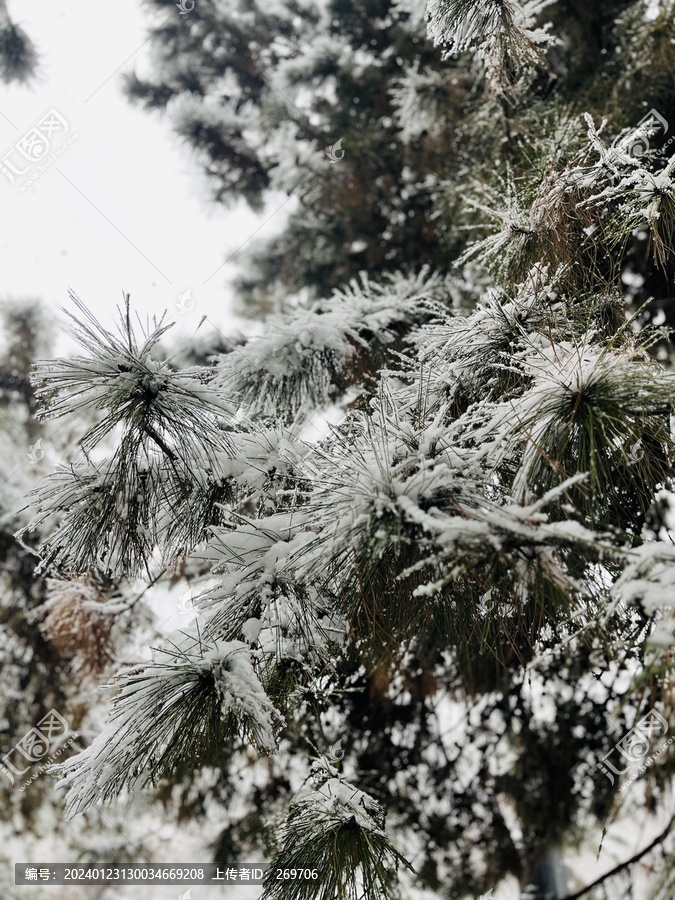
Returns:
<point x="489" y="515"/>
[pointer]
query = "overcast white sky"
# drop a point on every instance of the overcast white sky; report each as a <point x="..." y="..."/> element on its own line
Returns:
<point x="125" y="206"/>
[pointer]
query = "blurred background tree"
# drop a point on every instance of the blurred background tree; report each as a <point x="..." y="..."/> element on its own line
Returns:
<point x="18" y="57"/>
<point x="261" y="92"/>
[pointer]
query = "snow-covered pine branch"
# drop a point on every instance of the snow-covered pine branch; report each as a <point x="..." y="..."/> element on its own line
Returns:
<point x="641" y="198"/>
<point x="570" y="214"/>
<point x="483" y="540"/>
<point x="502" y="33"/>
<point x="647" y="582"/>
<point x="168" y="713"/>
<point x="263" y="597"/>
<point x="396" y="527"/>
<point x="161" y="485"/>
<point x="175" y="413"/>
<point x="309" y="358"/>
<point x="338" y="830"/>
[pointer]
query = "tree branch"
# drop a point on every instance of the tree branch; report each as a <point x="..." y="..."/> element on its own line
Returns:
<point x="624" y="865"/>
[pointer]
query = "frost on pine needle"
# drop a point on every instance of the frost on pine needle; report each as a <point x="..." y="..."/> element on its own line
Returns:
<point x="114" y="515"/>
<point x="641" y="199"/>
<point x="419" y="99"/>
<point x="582" y="407"/>
<point x="514" y="237"/>
<point x="338" y="830"/>
<point x="480" y="346"/>
<point x="410" y="515"/>
<point x="529" y="226"/>
<point x="105" y="517"/>
<point x="169" y="714"/>
<point x="502" y="33"/>
<point x="174" y="412"/>
<point x="572" y="206"/>
<point x="627" y="154"/>
<point x="262" y="598"/>
<point x="647" y="581"/>
<point x="306" y="360"/>
<point x="161" y="485"/>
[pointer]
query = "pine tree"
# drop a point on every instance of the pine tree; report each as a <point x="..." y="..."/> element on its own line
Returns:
<point x="263" y="92"/>
<point x="59" y="638"/>
<point x="36" y="671"/>
<point x="312" y="100"/>
<point x="33" y="679"/>
<point x="482" y="539"/>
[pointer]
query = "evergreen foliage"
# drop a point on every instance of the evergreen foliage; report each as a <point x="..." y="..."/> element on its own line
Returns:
<point x="486" y="532"/>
